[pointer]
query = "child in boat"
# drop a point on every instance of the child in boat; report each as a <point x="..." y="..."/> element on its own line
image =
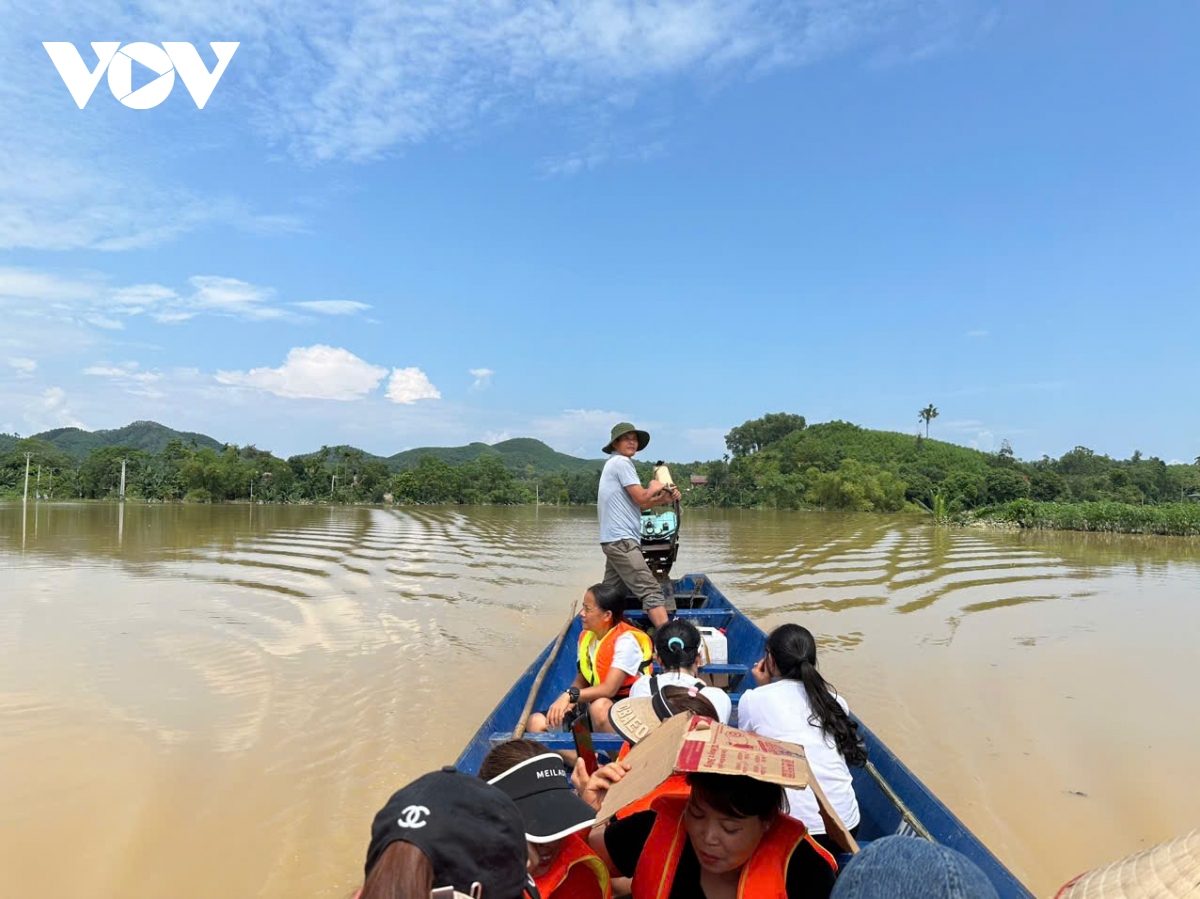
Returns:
<point x="676" y="645"/>
<point x="611" y="653"/>
<point x="730" y="837"/>
<point x="557" y="821"/>
<point x="443" y="833"/>
<point x="794" y="703"/>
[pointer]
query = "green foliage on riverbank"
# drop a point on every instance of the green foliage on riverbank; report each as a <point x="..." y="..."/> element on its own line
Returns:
<point x="838" y="465"/>
<point x="777" y="461"/>
<point x="1173" y="519"/>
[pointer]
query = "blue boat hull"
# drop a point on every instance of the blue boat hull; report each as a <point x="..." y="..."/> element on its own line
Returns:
<point x="891" y="798"/>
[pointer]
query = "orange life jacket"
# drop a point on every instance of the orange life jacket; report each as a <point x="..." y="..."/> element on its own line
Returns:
<point x="577" y="873"/>
<point x="675" y="785"/>
<point x="596" y="674"/>
<point x="764" y="876"/>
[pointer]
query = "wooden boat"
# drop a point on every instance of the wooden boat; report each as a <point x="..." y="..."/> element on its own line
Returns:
<point x="891" y="799"/>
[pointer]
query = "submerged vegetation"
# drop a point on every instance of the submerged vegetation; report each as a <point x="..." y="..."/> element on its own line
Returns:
<point x="777" y="461"/>
<point x="1176" y="519"/>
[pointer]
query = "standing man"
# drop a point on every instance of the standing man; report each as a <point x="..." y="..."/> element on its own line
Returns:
<point x="620" y="503"/>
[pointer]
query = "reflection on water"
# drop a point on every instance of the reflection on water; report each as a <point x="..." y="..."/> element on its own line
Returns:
<point x="248" y="683"/>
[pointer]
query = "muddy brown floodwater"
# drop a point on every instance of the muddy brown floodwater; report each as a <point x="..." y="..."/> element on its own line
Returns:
<point x="214" y="701"/>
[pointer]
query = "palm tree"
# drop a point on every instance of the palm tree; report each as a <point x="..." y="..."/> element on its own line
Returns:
<point x="928" y="414"/>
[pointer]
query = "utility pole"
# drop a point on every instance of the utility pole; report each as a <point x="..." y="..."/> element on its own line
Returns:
<point x="38" y="490"/>
<point x="28" y="456"/>
<point x="122" y="479"/>
<point x="332" y="483"/>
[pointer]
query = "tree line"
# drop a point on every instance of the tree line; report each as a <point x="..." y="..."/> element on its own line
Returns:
<point x="776" y="461"/>
<point x="185" y="472"/>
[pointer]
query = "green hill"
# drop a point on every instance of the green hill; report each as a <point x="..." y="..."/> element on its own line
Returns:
<point x="826" y="445"/>
<point x="149" y="436"/>
<point x="7" y="442"/>
<point x="516" y="454"/>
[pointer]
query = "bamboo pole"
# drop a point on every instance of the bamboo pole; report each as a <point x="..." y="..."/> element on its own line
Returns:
<point x="906" y="814"/>
<point x="523" y="721"/>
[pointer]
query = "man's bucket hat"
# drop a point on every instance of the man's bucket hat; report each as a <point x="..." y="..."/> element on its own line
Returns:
<point x="621" y="430"/>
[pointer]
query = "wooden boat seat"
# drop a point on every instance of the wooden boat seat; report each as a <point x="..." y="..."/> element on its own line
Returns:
<point x="610" y="743"/>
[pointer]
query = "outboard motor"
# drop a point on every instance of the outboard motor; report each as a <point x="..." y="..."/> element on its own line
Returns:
<point x="660" y="530"/>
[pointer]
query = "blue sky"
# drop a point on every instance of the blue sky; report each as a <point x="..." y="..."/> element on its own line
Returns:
<point x="397" y="225"/>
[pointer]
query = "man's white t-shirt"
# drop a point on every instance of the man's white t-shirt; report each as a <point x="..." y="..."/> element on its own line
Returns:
<point x="719" y="698"/>
<point x="780" y="710"/>
<point x="620" y="516"/>
<point x="627" y="653"/>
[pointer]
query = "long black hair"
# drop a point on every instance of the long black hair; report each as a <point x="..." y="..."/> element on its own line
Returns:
<point x="795" y="653"/>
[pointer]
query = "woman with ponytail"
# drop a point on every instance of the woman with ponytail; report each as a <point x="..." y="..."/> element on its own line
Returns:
<point x="676" y="646"/>
<point x="793" y="702"/>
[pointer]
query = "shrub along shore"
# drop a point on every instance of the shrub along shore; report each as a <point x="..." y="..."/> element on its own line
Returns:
<point x="1170" y="519"/>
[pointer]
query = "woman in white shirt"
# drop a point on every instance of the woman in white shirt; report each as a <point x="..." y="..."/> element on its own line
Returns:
<point x="676" y="645"/>
<point x="793" y="702"/>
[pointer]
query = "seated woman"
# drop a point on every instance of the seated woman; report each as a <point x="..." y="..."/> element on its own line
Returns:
<point x="612" y="653"/>
<point x="676" y="645"/>
<point x="447" y="831"/>
<point x="794" y="703"/>
<point x="556" y="820"/>
<point x="731" y="837"/>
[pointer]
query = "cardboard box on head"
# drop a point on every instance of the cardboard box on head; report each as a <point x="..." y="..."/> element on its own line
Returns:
<point x="687" y="743"/>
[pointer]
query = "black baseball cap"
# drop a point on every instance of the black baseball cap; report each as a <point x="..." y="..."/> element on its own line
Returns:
<point x="542" y="791"/>
<point x="470" y="832"/>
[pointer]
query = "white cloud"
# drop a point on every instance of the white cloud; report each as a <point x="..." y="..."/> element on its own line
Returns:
<point x="26" y="284"/>
<point x="407" y="385"/>
<point x="232" y="297"/>
<point x="316" y="372"/>
<point x="103" y="321"/>
<point x="977" y="333"/>
<point x="483" y="378"/>
<point x="51" y="410"/>
<point x="334" y="307"/>
<point x="172" y="317"/>
<point x="94" y="302"/>
<point x="23" y="367"/>
<point x="126" y="371"/>
<point x="140" y="298"/>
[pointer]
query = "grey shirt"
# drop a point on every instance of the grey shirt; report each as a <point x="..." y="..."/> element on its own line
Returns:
<point x="620" y="516"/>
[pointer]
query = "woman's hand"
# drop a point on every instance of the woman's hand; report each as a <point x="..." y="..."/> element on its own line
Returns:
<point x="597" y="786"/>
<point x="760" y="673"/>
<point x="579" y="776"/>
<point x="556" y="712"/>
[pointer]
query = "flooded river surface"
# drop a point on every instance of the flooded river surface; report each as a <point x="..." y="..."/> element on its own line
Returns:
<point x="214" y="701"/>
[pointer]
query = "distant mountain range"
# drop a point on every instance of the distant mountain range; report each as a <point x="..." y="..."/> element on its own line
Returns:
<point x="517" y="454"/>
<point x="149" y="436"/>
